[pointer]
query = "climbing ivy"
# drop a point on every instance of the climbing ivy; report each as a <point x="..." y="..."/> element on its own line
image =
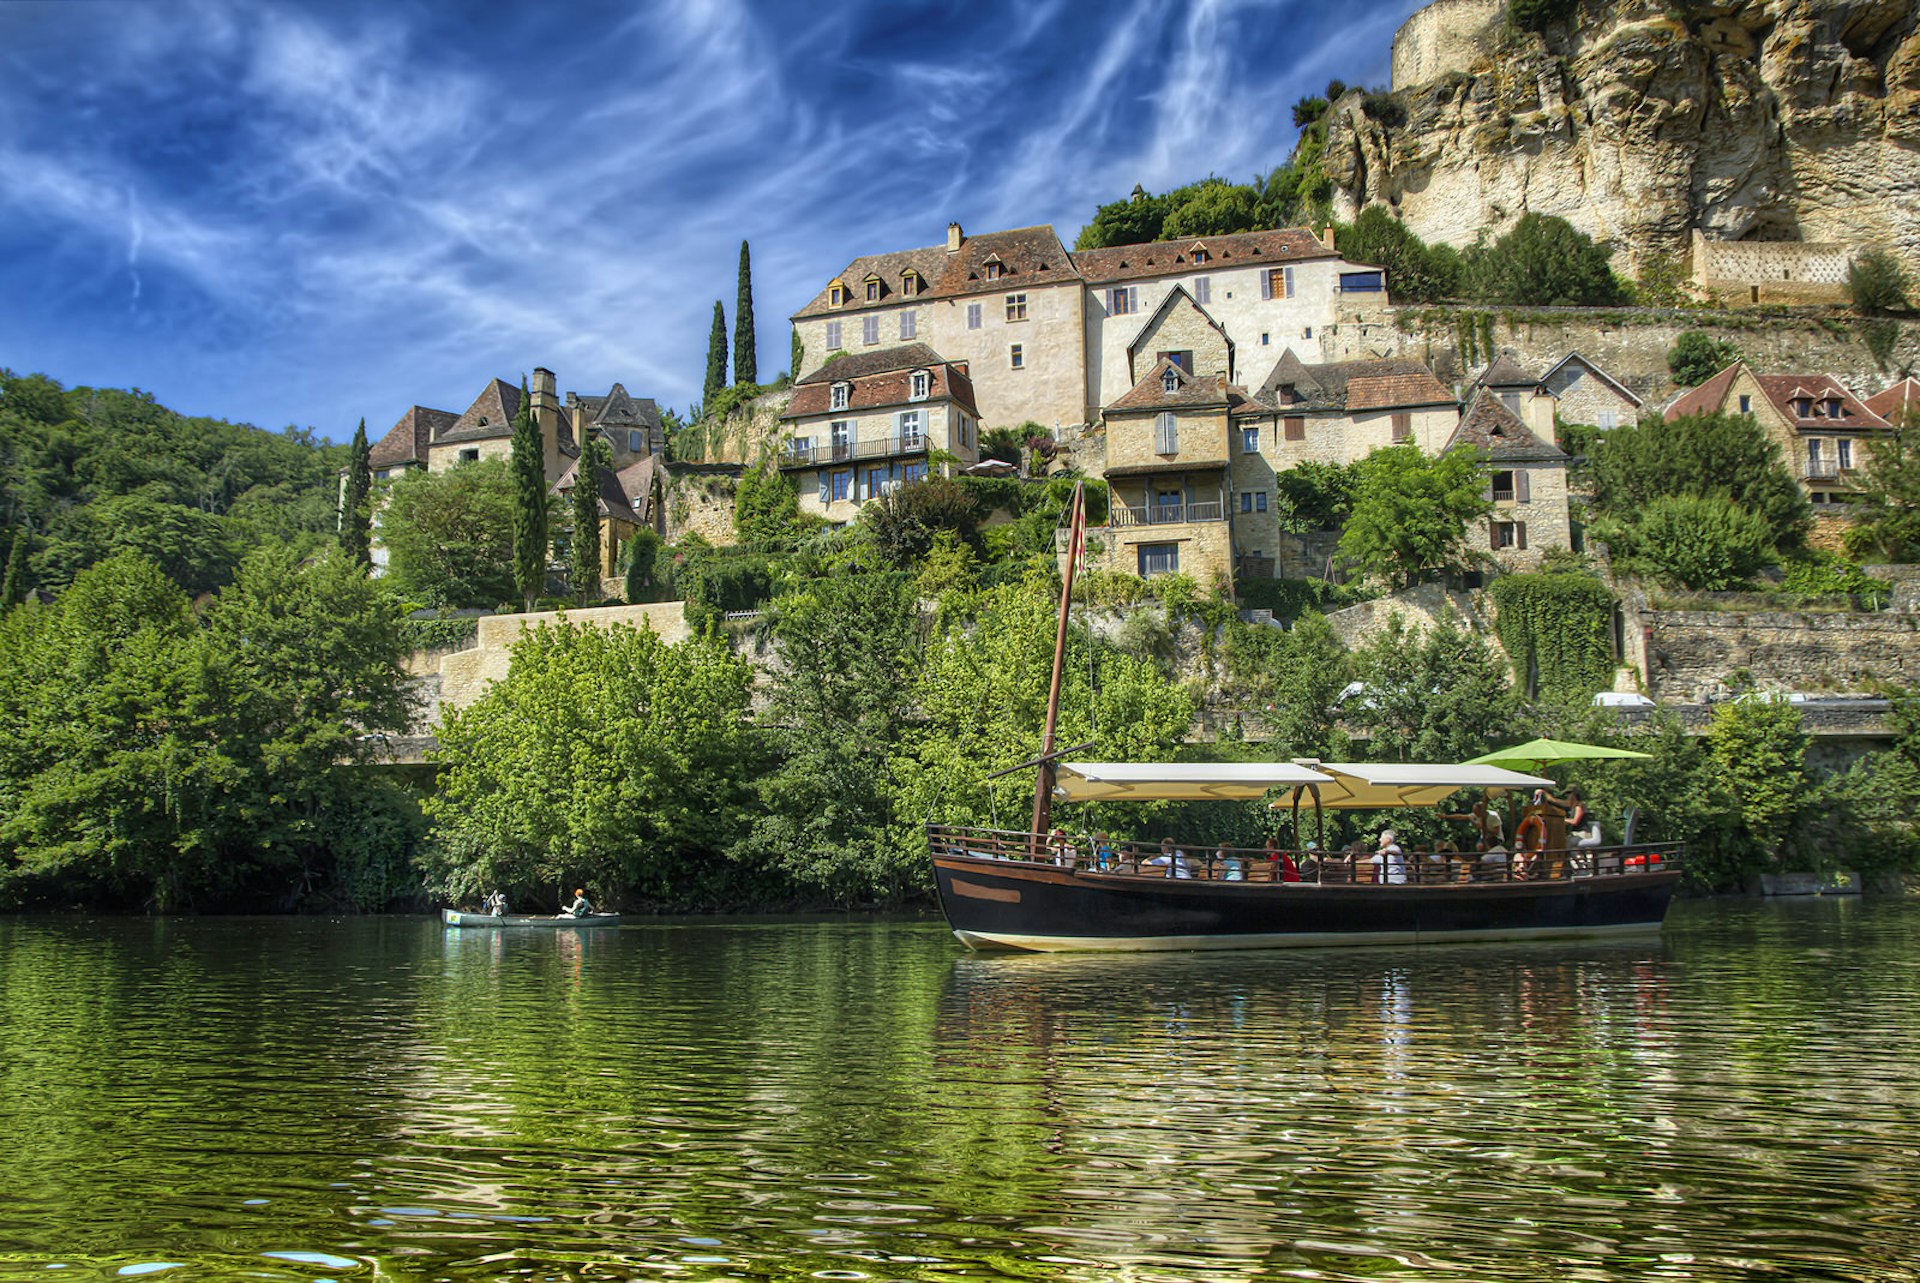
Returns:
<point x="1555" y="628"/>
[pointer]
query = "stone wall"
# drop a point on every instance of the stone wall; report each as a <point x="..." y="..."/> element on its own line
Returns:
<point x="1205" y="548"/>
<point x="465" y="675"/>
<point x="1447" y="35"/>
<point x="1425" y="605"/>
<point x="1700" y="656"/>
<point x="701" y="503"/>
<point x="1755" y="272"/>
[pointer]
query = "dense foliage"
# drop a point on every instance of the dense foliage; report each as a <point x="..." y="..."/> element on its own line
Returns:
<point x="1557" y="630"/>
<point x="92" y="472"/>
<point x="1416" y="272"/>
<point x="746" y="364"/>
<point x="1410" y="513"/>
<point x="1544" y="261"/>
<point x="152" y="756"/>
<point x="356" y="503"/>
<point x="716" y="357"/>
<point x="1697" y="356"/>
<point x="1878" y="284"/>
<point x="583" y="548"/>
<point x="1887" y="513"/>
<point x="449" y="535"/>
<point x="1437" y="694"/>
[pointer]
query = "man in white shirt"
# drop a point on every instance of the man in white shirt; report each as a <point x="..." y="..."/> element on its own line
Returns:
<point x="1389" y="862"/>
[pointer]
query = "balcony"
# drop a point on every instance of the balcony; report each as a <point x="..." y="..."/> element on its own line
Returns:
<point x="797" y="456"/>
<point x="1168" y="514"/>
<point x="1825" y="470"/>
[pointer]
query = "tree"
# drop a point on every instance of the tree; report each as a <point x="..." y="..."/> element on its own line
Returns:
<point x="1697" y="356"/>
<point x="1009" y="445"/>
<point x="1436" y="694"/>
<point x="1544" y="262"/>
<point x="13" y="586"/>
<point x="529" y="503"/>
<point x="746" y="366"/>
<point x="796" y="356"/>
<point x="1312" y="669"/>
<point x="1724" y="456"/>
<point x="1314" y="496"/>
<point x="356" y="511"/>
<point x="1213" y="208"/>
<point x="905" y="522"/>
<point x="1887" y="512"/>
<point x="1877" y="284"/>
<point x="1416" y="272"/>
<point x="1124" y="222"/>
<point x="1410" y="513"/>
<point x="766" y="506"/>
<point x="716" y="359"/>
<point x="1704" y="543"/>
<point x="450" y="535"/>
<point x="596" y="459"/>
<point x="850" y="650"/>
<point x="1758" y="750"/>
<point x="606" y="758"/>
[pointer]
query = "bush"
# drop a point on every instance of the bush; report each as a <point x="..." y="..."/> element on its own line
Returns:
<point x="713" y="581"/>
<point x="1821" y="574"/>
<point x="1315" y="496"/>
<point x="440" y="634"/>
<point x="1697" y="356"/>
<point x="1416" y="271"/>
<point x="1877" y="284"/>
<point x="649" y="573"/>
<point x="905" y="522"/>
<point x="1544" y="262"/>
<point x="1708" y="544"/>
<point x="1724" y="456"/>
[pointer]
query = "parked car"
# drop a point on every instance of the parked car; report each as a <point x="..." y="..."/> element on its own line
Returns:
<point x="1622" y="699"/>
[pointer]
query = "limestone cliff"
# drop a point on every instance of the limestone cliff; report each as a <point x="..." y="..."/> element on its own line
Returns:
<point x="1638" y="121"/>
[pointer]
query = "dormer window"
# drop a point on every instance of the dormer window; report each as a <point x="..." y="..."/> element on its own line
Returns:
<point x="839" y="394"/>
<point x="910" y="283"/>
<point x="1833" y="407"/>
<point x="1170" y="381"/>
<point x="994" y="269"/>
<point x="1199" y="256"/>
<point x="920" y="385"/>
<point x="873" y="289"/>
<point x="1803" y="407"/>
<point x="836" y="295"/>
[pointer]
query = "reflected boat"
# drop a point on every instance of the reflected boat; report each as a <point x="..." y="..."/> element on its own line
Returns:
<point x="465" y="918"/>
<point x="1028" y="890"/>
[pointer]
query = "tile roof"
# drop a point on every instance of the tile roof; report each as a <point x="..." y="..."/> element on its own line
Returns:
<point x="488" y="418"/>
<point x="1817" y="390"/>
<point x="855" y="365"/>
<point x="884" y="388"/>
<point x="1705" y="399"/>
<point x="1898" y="401"/>
<point x="1190" y="391"/>
<point x="1593" y="369"/>
<point x="407" y="441"/>
<point x="1169" y="258"/>
<point x="1352" y="385"/>
<point x="640" y="481"/>
<point x="613" y="496"/>
<point x="1499" y="433"/>
<point x="618" y="410"/>
<point x="1506" y="372"/>
<point x="1026" y="256"/>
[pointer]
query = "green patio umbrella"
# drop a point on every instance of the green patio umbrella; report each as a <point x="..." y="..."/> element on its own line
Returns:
<point x="1535" y="754"/>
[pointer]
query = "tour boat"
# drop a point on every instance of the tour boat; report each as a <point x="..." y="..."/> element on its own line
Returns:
<point x="1035" y="891"/>
<point x="471" y="918"/>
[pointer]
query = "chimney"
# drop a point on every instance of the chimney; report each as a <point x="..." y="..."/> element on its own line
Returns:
<point x="955" y="237"/>
<point x="1326" y="237"/>
<point x="546" y="413"/>
<point x="961" y="366"/>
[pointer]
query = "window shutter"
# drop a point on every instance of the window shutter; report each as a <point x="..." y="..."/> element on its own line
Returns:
<point x="1266" y="285"/>
<point x="826" y="488"/>
<point x="1289" y="282"/>
<point x="1493" y="535"/>
<point x="1520" y="535"/>
<point x="1520" y="493"/>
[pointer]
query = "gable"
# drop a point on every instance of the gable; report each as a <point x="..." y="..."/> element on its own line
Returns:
<point x="1181" y="325"/>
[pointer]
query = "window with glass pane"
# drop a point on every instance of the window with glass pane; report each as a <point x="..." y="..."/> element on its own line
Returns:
<point x="1166" y="434"/>
<point x="842" y="485"/>
<point x="1249" y="441"/>
<point x="914" y="472"/>
<point x="1159" y="559"/>
<point x="1016" y="307"/>
<point x="911" y="438"/>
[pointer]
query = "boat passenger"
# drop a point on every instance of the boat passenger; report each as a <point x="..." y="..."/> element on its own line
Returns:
<point x="495" y="904"/>
<point x="1289" y="869"/>
<point x="1583" y="829"/>
<point x="1232" y="869"/>
<point x="1103" y="856"/>
<point x="1486" y="822"/>
<point x="581" y="906"/>
<point x="1389" y="862"/>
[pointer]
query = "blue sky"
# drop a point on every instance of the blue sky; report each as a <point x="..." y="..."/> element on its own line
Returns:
<point x="307" y="213"/>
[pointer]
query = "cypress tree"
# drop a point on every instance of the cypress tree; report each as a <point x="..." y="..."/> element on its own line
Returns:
<point x="798" y="355"/>
<point x="716" y="359"/>
<point x="529" y="503"/>
<point x="595" y="459"/>
<point x="13" y="588"/>
<point x="746" y="366"/>
<point x="356" y="516"/>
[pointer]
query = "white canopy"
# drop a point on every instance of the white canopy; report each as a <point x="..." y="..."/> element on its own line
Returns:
<point x="1368" y="786"/>
<point x="1182" y="781"/>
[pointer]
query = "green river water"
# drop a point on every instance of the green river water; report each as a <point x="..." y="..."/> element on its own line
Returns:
<point x="384" y="1098"/>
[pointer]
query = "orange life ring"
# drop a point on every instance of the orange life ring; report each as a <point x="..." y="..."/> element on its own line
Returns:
<point x="1538" y="826"/>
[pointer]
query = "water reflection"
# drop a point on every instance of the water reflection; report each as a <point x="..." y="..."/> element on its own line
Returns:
<point x="861" y="1099"/>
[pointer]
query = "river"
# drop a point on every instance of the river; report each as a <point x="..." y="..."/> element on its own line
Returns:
<point x="698" y="1099"/>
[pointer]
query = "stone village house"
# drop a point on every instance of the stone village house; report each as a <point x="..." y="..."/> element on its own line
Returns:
<point x="1821" y="427"/>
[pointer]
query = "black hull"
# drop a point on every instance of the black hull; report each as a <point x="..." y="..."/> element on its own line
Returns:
<point x="1009" y="905"/>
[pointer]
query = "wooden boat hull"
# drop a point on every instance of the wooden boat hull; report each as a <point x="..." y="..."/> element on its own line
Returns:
<point x="1014" y="905"/>
<point x="460" y="918"/>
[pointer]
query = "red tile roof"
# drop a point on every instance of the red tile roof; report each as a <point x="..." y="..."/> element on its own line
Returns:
<point x="1817" y="390"/>
<point x="1499" y="433"/>
<point x="886" y="387"/>
<point x="1026" y="256"/>
<point x="1190" y="392"/>
<point x="1708" y="398"/>
<point x="1169" y="258"/>
<point x="1898" y="401"/>
<point x="406" y="442"/>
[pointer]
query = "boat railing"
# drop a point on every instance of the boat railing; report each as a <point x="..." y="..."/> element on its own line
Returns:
<point x="1081" y="854"/>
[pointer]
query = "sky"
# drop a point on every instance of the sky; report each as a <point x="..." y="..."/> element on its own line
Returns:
<point x="309" y="213"/>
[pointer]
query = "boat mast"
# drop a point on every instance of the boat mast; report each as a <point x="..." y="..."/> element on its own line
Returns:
<point x="1043" y="785"/>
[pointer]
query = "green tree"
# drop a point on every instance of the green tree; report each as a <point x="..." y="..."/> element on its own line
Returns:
<point x="604" y="757"/>
<point x="356" y="508"/>
<point x="849" y="649"/>
<point x="649" y="573"/>
<point x="1758" y="751"/>
<point x="530" y="498"/>
<point x="1697" y="356"/>
<point x="1213" y="208"/>
<point x="905" y="523"/>
<point x="797" y="356"/>
<point x="1416" y="273"/>
<point x="1313" y="669"/>
<point x="1124" y="222"/>
<point x="1315" y="496"/>
<point x="596" y="459"/>
<point x="13" y="586"/>
<point x="746" y="366"/>
<point x="1544" y="262"/>
<point x="1700" y="456"/>
<point x="716" y="360"/>
<point x="766" y="506"/>
<point x="1877" y="284"/>
<point x="1887" y="513"/>
<point x="1436" y="694"/>
<point x="1410" y="513"/>
<point x="1708" y="544"/>
<point x="450" y="535"/>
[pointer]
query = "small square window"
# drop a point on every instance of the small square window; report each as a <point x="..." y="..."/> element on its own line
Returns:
<point x="1016" y="359"/>
<point x="1016" y="307"/>
<point x="1266" y="340"/>
<point x="470" y="455"/>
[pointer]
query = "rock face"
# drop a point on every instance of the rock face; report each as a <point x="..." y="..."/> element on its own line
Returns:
<point x="1638" y="121"/>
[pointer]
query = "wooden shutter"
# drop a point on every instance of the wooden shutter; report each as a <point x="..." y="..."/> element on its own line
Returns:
<point x="1520" y="492"/>
<point x="1266" y="284"/>
<point x="1520" y="535"/>
<point x="1288" y="282"/>
<point x="826" y="487"/>
<point x="1296" y="429"/>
